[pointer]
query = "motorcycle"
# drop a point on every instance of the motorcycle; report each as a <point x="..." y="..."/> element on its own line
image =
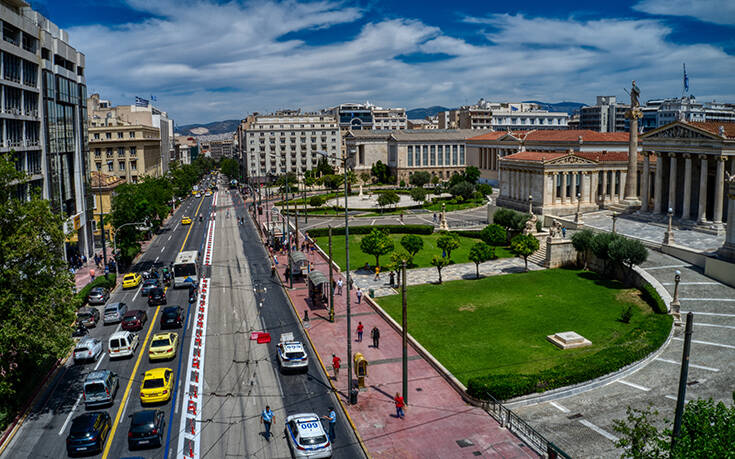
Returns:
<point x="80" y="330"/>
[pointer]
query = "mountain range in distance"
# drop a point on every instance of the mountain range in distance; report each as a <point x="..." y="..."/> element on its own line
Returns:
<point x="223" y="127"/>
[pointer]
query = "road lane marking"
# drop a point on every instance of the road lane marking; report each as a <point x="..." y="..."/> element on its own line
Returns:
<point x="731" y="327"/>
<point x="691" y="283"/>
<point x="635" y="386"/>
<point x="111" y="436"/>
<point x="600" y="431"/>
<point x="666" y="267"/>
<point x="79" y="399"/>
<point x="726" y="346"/>
<point x="691" y="365"/>
<point x="163" y="248"/>
<point x="156" y="260"/>
<point x="671" y="397"/>
<point x="137" y="291"/>
<point x="559" y="407"/>
<point x="708" y="299"/>
<point x="125" y="408"/>
<point x="718" y="314"/>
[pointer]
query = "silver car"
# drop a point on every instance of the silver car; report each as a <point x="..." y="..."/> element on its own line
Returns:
<point x="100" y="388"/>
<point x="114" y="313"/>
<point x="87" y="349"/>
<point x="98" y="295"/>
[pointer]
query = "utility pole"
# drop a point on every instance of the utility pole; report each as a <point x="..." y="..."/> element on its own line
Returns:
<point x="288" y="238"/>
<point x="680" y="399"/>
<point x="102" y="220"/>
<point x="405" y="333"/>
<point x="331" y="290"/>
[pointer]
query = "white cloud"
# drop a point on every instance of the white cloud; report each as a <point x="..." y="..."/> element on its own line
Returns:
<point x="207" y="62"/>
<point x="715" y="11"/>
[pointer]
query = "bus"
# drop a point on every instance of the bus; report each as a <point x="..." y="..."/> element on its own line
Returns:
<point x="186" y="269"/>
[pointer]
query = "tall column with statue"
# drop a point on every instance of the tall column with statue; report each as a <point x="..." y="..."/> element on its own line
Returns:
<point x="634" y="114"/>
<point x="727" y="251"/>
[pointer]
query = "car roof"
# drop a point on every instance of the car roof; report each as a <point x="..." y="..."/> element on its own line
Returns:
<point x="156" y="372"/>
<point x="131" y="274"/>
<point x="88" y="341"/>
<point x="170" y="309"/>
<point x="151" y="281"/>
<point x="133" y="312"/>
<point x="120" y="334"/>
<point x="86" y="310"/>
<point x="143" y="417"/>
<point x="162" y="335"/>
<point x="307" y="418"/>
<point x="113" y="305"/>
<point x="293" y="345"/>
<point x="97" y="289"/>
<point x="85" y="421"/>
<point x="97" y="375"/>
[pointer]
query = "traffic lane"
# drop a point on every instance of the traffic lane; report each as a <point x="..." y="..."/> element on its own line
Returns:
<point x="303" y="393"/>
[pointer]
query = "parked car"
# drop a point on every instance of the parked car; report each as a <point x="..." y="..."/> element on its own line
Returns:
<point x="148" y="285"/>
<point x="98" y="295"/>
<point x="132" y="280"/>
<point x="156" y="296"/>
<point x="100" y="388"/>
<point x="114" y="313"/>
<point x="146" y="428"/>
<point x="134" y="320"/>
<point x="88" y="317"/>
<point x="157" y="386"/>
<point x="87" y="349"/>
<point x="306" y="436"/>
<point x="122" y="344"/>
<point x="172" y="317"/>
<point x="88" y="433"/>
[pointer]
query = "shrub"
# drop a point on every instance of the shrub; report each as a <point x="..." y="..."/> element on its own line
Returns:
<point x="419" y="178"/>
<point x="393" y="229"/>
<point x="485" y="189"/>
<point x="317" y="201"/>
<point x="418" y="194"/>
<point x="494" y="235"/>
<point x="402" y="184"/>
<point x="626" y="315"/>
<point x="463" y="190"/>
<point x="651" y="296"/>
<point x="101" y="281"/>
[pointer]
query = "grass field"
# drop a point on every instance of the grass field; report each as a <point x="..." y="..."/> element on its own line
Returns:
<point x="498" y="325"/>
<point x="422" y="259"/>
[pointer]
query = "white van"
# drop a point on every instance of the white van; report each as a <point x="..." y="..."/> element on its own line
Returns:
<point x="122" y="344"/>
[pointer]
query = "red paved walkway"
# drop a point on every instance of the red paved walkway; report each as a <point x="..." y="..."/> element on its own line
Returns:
<point x="436" y="416"/>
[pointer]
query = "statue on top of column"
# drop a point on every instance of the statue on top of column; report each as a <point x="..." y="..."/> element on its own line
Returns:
<point x="634" y="94"/>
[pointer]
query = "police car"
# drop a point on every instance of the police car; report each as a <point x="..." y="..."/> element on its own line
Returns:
<point x="306" y="436"/>
<point x="291" y="354"/>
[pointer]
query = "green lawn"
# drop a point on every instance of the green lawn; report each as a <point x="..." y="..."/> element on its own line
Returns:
<point x="422" y="259"/>
<point x="498" y="325"/>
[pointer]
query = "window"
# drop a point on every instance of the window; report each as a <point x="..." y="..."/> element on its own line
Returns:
<point x="440" y="155"/>
<point x="108" y="135"/>
<point x="433" y="155"/>
<point x="409" y="156"/>
<point x="425" y="151"/>
<point x="99" y="166"/>
<point x="446" y="155"/>
<point x="454" y="155"/>
<point x="133" y="165"/>
<point x="109" y="166"/>
<point x="119" y="135"/>
<point x="132" y="134"/>
<point x="97" y="152"/>
<point x="121" y="165"/>
<point x="120" y="152"/>
<point x="133" y="151"/>
<point x="461" y="154"/>
<point x="109" y="152"/>
<point x="97" y="135"/>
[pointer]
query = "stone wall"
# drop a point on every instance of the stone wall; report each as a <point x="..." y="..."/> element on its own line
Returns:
<point x="560" y="252"/>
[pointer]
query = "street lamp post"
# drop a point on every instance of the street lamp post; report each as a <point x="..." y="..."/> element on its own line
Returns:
<point x="614" y="219"/>
<point x="530" y="204"/>
<point x="675" y="304"/>
<point x="578" y="215"/>
<point x="669" y="236"/>
<point x="114" y="243"/>
<point x="102" y="219"/>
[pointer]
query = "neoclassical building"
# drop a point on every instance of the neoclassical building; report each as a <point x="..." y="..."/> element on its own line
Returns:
<point x="683" y="169"/>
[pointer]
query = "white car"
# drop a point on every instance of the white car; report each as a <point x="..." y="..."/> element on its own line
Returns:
<point x="291" y="353"/>
<point x="87" y="349"/>
<point x="306" y="436"/>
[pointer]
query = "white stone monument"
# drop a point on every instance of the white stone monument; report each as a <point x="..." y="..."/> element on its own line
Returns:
<point x="443" y="226"/>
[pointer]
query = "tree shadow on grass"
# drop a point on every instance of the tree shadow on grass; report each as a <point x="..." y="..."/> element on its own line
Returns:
<point x="599" y="280"/>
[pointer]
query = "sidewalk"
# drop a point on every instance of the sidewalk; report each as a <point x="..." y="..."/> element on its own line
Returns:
<point x="438" y="422"/>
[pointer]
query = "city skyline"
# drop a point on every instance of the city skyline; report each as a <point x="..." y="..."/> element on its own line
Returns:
<point x="208" y="60"/>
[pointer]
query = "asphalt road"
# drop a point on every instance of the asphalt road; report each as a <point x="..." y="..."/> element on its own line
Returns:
<point x="44" y="432"/>
<point x="241" y="376"/>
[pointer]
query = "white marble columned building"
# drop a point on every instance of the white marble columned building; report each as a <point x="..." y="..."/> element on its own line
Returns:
<point x="684" y="165"/>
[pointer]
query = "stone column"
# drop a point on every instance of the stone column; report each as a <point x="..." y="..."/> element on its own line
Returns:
<point x="727" y="251"/>
<point x="584" y="180"/>
<point x="631" y="184"/>
<point x="547" y="193"/>
<point x="672" y="183"/>
<point x="702" y="210"/>
<point x="594" y="178"/>
<point x="553" y="188"/>
<point x="563" y="190"/>
<point x="645" y="185"/>
<point x="623" y="181"/>
<point x="658" y="185"/>
<point x="604" y="186"/>
<point x="573" y="199"/>
<point x="719" y="190"/>
<point x="687" y="202"/>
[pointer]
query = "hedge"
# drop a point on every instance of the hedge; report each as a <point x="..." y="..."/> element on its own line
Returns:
<point x="618" y="354"/>
<point x="393" y="229"/>
<point x="100" y="281"/>
<point x="474" y="234"/>
<point x="651" y="296"/>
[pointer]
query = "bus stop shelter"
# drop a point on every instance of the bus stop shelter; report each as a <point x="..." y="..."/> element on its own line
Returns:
<point x="318" y="288"/>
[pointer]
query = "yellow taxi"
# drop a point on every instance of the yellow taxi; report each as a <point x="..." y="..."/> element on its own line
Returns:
<point x="208" y="193"/>
<point x="163" y="346"/>
<point x="194" y="192"/>
<point x="186" y="220"/>
<point x="157" y="386"/>
<point x="132" y="280"/>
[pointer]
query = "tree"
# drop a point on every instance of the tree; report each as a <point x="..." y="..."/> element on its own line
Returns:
<point x="351" y="180"/>
<point x="317" y="201"/>
<point x="388" y="198"/>
<point x="230" y="167"/>
<point x="381" y="172"/>
<point x="418" y="194"/>
<point x="376" y="243"/>
<point x="462" y="190"/>
<point x="37" y="302"/>
<point x="447" y="242"/>
<point x="439" y="262"/>
<point x="413" y="244"/>
<point x="582" y="242"/>
<point x="324" y="168"/>
<point x="510" y="219"/>
<point x="524" y="245"/>
<point x="471" y="174"/>
<point x="600" y="247"/>
<point x="484" y="189"/>
<point x="332" y="181"/>
<point x="627" y="252"/>
<point x="419" y="178"/>
<point x="397" y="257"/>
<point x="287" y="182"/>
<point x="494" y="235"/>
<point x="481" y="252"/>
<point x="309" y="181"/>
<point x="455" y="179"/>
<point x="366" y="178"/>
<point x="435" y="180"/>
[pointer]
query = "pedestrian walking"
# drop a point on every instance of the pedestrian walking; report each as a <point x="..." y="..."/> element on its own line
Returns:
<point x="91" y="274"/>
<point x="84" y="259"/>
<point x="434" y="218"/>
<point x="273" y="270"/>
<point x="401" y="216"/>
<point x="563" y="231"/>
<point x="399" y="405"/>
<point x="335" y="364"/>
<point x="334" y="285"/>
<point x="360" y="328"/>
<point x="266" y="418"/>
<point x="275" y="259"/>
<point x="339" y="287"/>
<point x="375" y="335"/>
<point x="377" y="273"/>
<point x="97" y="260"/>
<point x="332" y="418"/>
<point x="358" y="293"/>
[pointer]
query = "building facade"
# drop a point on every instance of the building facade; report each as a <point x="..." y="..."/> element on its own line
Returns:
<point x="390" y="119"/>
<point x="42" y="111"/>
<point x="124" y="150"/>
<point x="503" y="116"/>
<point x="660" y="112"/>
<point x="102" y="188"/>
<point x="607" y="115"/>
<point x="287" y="141"/>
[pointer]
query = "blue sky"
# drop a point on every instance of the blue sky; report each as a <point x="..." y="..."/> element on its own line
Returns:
<point x="209" y="60"/>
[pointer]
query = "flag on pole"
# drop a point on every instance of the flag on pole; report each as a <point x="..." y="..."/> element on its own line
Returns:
<point x="686" y="79"/>
<point x="140" y="102"/>
<point x="153" y="98"/>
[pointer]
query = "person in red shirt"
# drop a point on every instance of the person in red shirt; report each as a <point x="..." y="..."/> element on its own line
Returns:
<point x="335" y="365"/>
<point x="399" y="406"/>
<point x="360" y="329"/>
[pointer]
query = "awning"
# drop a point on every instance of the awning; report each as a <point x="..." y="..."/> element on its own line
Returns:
<point x="317" y="278"/>
<point x="297" y="257"/>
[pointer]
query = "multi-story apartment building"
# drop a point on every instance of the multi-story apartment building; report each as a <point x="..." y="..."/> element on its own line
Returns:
<point x="660" y="112"/>
<point x="219" y="145"/>
<point x="185" y="148"/>
<point x="287" y="141"/>
<point x="128" y="151"/>
<point x="390" y="119"/>
<point x="502" y="116"/>
<point x="142" y="113"/>
<point x="102" y="188"/>
<point x="42" y="112"/>
<point x="607" y="115"/>
<point x="448" y="119"/>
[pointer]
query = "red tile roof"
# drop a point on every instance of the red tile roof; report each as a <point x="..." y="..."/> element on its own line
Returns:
<point x="597" y="156"/>
<point x="495" y="135"/>
<point x="535" y="155"/>
<point x="603" y="156"/>
<point x="554" y="135"/>
<point x="714" y="127"/>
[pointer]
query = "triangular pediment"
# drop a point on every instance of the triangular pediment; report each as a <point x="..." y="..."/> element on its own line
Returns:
<point x="569" y="159"/>
<point x="509" y="137"/>
<point x="679" y="130"/>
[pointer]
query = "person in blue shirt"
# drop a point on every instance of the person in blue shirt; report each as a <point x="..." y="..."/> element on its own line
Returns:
<point x="332" y="418"/>
<point x="267" y="417"/>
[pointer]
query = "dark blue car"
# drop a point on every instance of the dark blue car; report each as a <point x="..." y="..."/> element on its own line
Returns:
<point x="88" y="433"/>
<point x="146" y="429"/>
